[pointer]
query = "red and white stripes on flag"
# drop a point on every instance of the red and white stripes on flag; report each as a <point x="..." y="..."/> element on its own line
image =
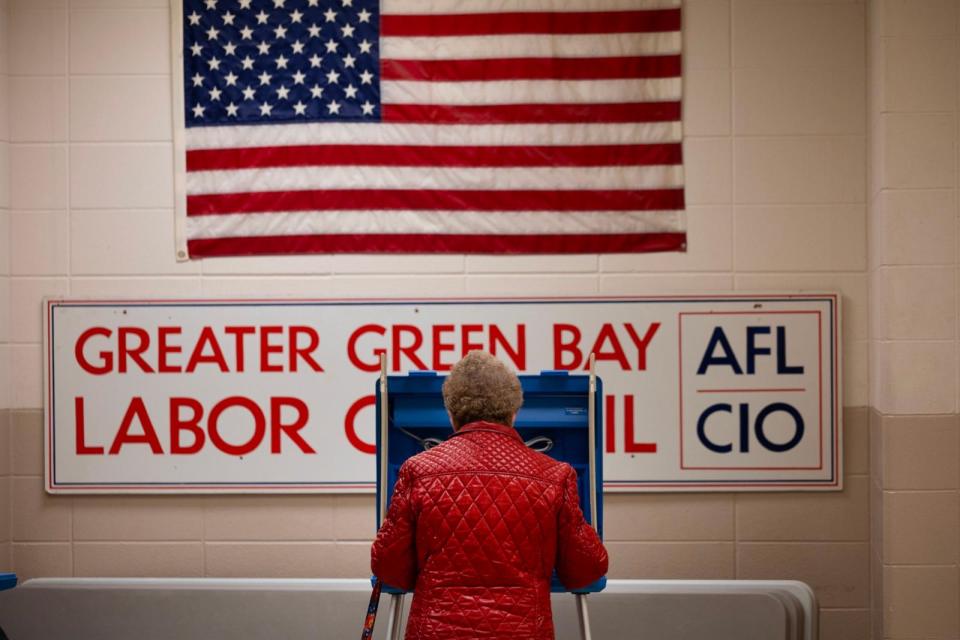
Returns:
<point x="506" y="126"/>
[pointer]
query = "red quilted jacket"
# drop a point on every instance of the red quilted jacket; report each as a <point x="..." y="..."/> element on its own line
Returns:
<point x="476" y="527"/>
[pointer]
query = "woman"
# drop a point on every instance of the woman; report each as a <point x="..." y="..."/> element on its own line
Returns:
<point x="477" y="525"/>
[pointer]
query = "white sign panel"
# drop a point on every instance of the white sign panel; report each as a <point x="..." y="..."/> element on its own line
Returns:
<point x="704" y="393"/>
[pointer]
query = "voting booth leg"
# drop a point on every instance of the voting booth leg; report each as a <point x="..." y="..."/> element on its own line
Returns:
<point x="584" y="616"/>
<point x="395" y="618"/>
<point x="582" y="613"/>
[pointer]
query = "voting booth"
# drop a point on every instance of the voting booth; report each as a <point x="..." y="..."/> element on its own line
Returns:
<point x="8" y="581"/>
<point x="559" y="417"/>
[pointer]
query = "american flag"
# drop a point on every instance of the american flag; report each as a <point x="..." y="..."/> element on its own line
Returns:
<point x="415" y="126"/>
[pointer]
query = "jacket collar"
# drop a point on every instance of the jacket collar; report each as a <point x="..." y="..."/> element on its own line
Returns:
<point x="490" y="427"/>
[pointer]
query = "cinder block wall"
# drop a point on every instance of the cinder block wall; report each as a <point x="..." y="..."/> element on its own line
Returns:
<point x="775" y="115"/>
<point x="5" y="557"/>
<point x="914" y="69"/>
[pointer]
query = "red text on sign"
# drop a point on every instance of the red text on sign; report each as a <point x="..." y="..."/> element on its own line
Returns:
<point x="608" y="345"/>
<point x="436" y="348"/>
<point x="268" y="349"/>
<point x="629" y="440"/>
<point x="189" y="432"/>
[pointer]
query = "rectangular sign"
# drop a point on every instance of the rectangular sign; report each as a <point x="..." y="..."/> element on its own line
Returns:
<point x="702" y="393"/>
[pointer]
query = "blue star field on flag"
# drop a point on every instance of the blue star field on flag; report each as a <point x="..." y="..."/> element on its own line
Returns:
<point x="269" y="61"/>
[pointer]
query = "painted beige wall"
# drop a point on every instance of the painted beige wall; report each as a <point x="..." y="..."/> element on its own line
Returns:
<point x="914" y="63"/>
<point x="5" y="558"/>
<point x="776" y="126"/>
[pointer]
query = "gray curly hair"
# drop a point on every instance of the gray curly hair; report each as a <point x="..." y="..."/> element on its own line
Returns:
<point x="480" y="387"/>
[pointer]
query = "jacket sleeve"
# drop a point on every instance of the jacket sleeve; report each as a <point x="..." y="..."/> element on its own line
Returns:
<point x="581" y="556"/>
<point x="393" y="558"/>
